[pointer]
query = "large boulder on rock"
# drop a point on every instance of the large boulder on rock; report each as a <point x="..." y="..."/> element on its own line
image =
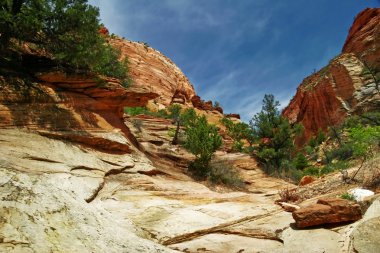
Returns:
<point x="327" y="211"/>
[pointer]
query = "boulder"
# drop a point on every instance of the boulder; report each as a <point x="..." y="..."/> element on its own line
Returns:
<point x="306" y="180"/>
<point x="327" y="211"/>
<point x="360" y="194"/>
<point x="366" y="236"/>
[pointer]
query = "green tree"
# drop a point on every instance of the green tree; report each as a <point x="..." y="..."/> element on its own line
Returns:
<point x="185" y="118"/>
<point x="202" y="139"/>
<point x="175" y="115"/>
<point x="275" y="135"/>
<point x="65" y="29"/>
<point x="300" y="161"/>
<point x="238" y="131"/>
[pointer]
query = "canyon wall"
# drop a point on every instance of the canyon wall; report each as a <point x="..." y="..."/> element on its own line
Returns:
<point x="348" y="85"/>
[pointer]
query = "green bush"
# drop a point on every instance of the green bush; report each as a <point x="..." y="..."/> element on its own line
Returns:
<point x="223" y="173"/>
<point x="295" y="175"/>
<point x="202" y="139"/>
<point x="312" y="171"/>
<point x="344" y="152"/>
<point x="332" y="167"/>
<point x="329" y="168"/>
<point x="347" y="196"/>
<point x="133" y="111"/>
<point x="238" y="132"/>
<point x="238" y="146"/>
<point x="300" y="161"/>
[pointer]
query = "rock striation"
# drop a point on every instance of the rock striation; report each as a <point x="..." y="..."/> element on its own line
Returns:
<point x="349" y="84"/>
<point x="155" y="72"/>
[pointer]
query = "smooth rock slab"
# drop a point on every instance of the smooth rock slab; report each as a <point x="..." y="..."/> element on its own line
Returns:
<point x="310" y="241"/>
<point x="366" y="237"/>
<point x="217" y="243"/>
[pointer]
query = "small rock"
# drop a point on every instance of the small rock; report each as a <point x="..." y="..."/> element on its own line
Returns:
<point x="306" y="180"/>
<point x="288" y="207"/>
<point x="360" y="194"/>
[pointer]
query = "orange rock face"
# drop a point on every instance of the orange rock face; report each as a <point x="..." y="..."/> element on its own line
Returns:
<point x="343" y="87"/>
<point x="71" y="107"/>
<point x="327" y="211"/>
<point x="151" y="70"/>
<point x="363" y="38"/>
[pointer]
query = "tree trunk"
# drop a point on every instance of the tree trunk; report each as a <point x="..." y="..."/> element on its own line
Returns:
<point x="175" y="138"/>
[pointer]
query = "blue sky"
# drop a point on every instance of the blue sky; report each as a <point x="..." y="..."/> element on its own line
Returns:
<point x="235" y="51"/>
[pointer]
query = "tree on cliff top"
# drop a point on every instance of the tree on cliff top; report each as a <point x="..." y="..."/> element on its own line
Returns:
<point x="65" y="29"/>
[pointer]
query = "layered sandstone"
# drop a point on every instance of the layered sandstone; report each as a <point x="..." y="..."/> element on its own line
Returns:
<point x="327" y="211"/>
<point x="78" y="176"/>
<point x="152" y="70"/>
<point x="347" y="85"/>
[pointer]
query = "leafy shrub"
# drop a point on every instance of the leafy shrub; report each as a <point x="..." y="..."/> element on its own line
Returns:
<point x="133" y="111"/>
<point x="238" y="132"/>
<point x="238" y="146"/>
<point x="329" y="168"/>
<point x="294" y="175"/>
<point x="318" y="139"/>
<point x="343" y="153"/>
<point x="202" y="139"/>
<point x="162" y="113"/>
<point x="347" y="196"/>
<point x="300" y="161"/>
<point x="223" y="173"/>
<point x="363" y="140"/>
<point x="312" y="171"/>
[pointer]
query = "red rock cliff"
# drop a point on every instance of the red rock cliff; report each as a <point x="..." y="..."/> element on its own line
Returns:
<point x="155" y="72"/>
<point x="344" y="86"/>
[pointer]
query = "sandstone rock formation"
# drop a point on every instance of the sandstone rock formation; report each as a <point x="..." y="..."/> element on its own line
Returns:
<point x="76" y="175"/>
<point x="155" y="72"/>
<point x="327" y="211"/>
<point x="347" y="85"/>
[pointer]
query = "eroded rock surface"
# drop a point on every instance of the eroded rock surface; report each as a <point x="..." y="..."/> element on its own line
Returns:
<point x="152" y="70"/>
<point x="349" y="84"/>
<point x="327" y="211"/>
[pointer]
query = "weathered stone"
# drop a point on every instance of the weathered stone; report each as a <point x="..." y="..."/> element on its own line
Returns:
<point x="153" y="71"/>
<point x="306" y="180"/>
<point x="311" y="241"/>
<point x="326" y="97"/>
<point x="366" y="236"/>
<point x="288" y="207"/>
<point x="327" y="211"/>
